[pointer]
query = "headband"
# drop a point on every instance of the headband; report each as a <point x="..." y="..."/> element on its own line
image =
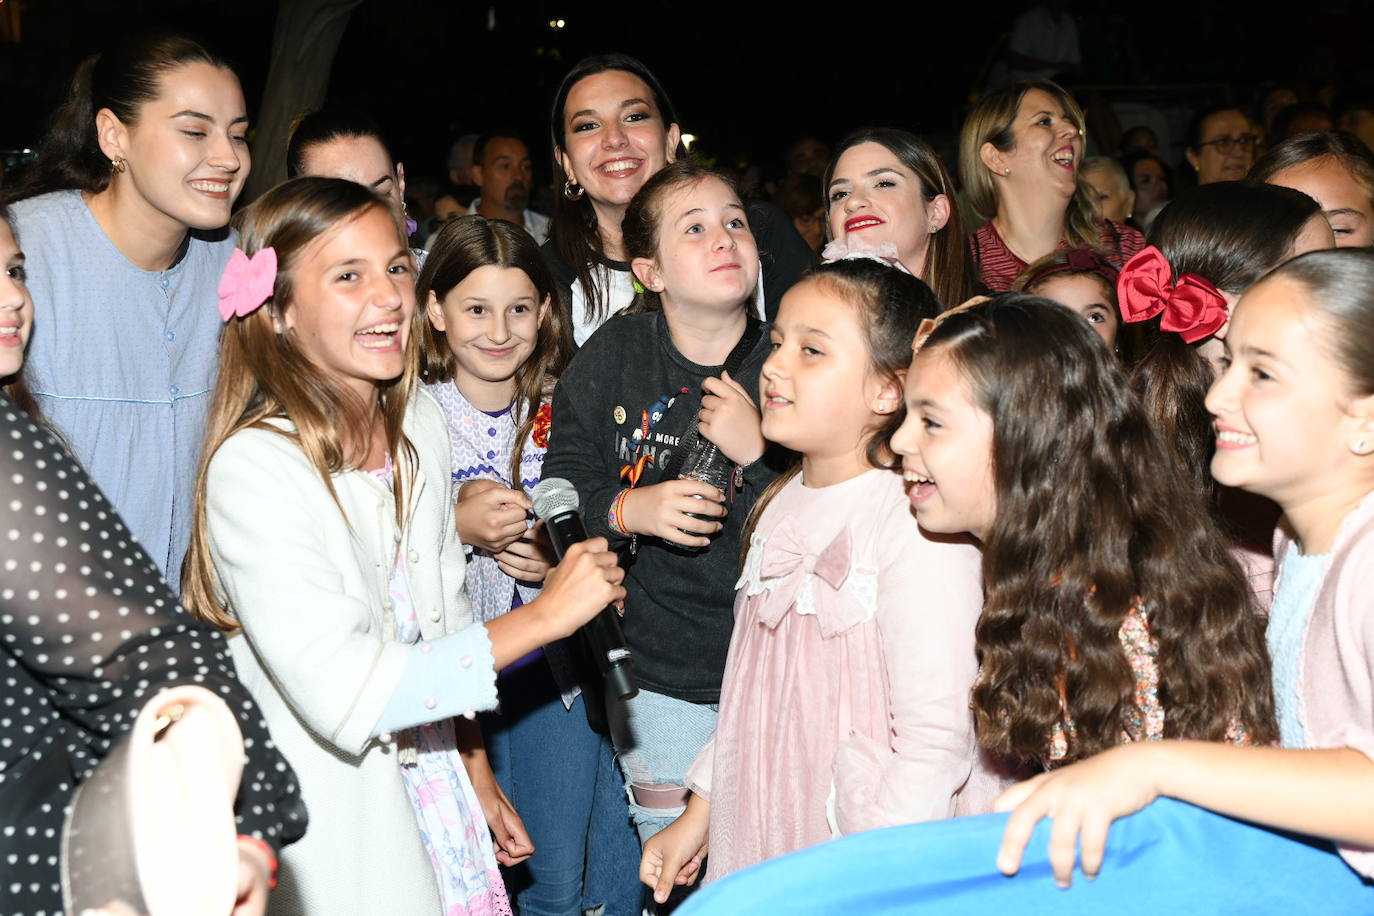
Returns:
<point x="884" y="253"/>
<point x="928" y="325"/>
<point x="1081" y="261"/>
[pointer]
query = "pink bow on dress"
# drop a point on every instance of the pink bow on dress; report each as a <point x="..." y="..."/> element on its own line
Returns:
<point x="785" y="555"/>
<point x="246" y="282"/>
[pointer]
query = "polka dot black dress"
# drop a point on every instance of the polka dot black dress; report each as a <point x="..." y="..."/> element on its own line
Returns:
<point x="89" y="632"/>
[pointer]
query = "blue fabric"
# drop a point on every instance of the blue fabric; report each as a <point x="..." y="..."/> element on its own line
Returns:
<point x="122" y="362"/>
<point x="561" y="777"/>
<point x="436" y="684"/>
<point x="1171" y="857"/>
<point x="665" y="735"/>
<point x="1300" y="578"/>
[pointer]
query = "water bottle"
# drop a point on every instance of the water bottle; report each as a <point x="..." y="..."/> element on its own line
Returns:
<point x="706" y="463"/>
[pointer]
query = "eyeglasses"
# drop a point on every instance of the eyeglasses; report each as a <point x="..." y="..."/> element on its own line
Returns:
<point x="1225" y="145"/>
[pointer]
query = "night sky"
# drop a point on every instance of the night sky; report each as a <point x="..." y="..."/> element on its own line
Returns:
<point x="745" y="78"/>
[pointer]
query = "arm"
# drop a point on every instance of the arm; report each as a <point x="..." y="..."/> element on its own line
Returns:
<point x="1327" y="793"/>
<point x="929" y="598"/>
<point x="673" y="856"/>
<point x="509" y="836"/>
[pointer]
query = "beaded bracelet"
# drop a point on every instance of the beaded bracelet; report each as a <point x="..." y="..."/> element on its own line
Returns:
<point x="271" y="857"/>
<point x="614" y="517"/>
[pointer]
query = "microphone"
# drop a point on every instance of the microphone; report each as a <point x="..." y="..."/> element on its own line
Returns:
<point x="556" y="502"/>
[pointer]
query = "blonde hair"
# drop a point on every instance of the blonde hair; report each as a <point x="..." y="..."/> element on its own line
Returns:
<point x="264" y="375"/>
<point x="991" y="121"/>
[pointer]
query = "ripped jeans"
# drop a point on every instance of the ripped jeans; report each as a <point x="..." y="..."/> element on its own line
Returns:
<point x="665" y="735"/>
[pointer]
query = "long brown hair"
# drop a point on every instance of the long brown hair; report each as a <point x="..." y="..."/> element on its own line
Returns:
<point x="992" y="121"/>
<point x="1089" y="523"/>
<point x="464" y="245"/>
<point x="890" y="305"/>
<point x="573" y="233"/>
<point x="264" y="376"/>
<point x="946" y="269"/>
<point x="1230" y="233"/>
<point x="15" y="386"/>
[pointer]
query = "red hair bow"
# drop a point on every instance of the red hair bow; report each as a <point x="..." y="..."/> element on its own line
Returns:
<point x="1192" y="307"/>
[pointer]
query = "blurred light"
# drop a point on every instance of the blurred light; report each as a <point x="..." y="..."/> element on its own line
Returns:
<point x="557" y="23"/>
<point x="688" y="140"/>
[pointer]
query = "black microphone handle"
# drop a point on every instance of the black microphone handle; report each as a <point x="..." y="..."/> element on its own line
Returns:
<point x="604" y="637"/>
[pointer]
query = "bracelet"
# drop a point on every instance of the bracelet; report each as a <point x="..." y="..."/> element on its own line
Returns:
<point x="271" y="858"/>
<point x="614" y="518"/>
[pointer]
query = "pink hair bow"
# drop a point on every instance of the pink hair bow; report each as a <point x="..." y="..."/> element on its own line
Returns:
<point x="247" y="282"/>
<point x="1192" y="307"/>
<point x="785" y="555"/>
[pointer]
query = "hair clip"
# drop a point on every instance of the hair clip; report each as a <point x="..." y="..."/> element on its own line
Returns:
<point x="1192" y="307"/>
<point x="884" y="253"/>
<point x="928" y="325"/>
<point x="247" y="282"/>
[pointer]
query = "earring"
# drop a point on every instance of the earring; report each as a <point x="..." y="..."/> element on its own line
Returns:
<point x="571" y="194"/>
<point x="1007" y="170"/>
<point x="1362" y="447"/>
<point x="119" y="165"/>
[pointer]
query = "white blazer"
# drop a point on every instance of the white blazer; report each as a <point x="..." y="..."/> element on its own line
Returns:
<point x="309" y="584"/>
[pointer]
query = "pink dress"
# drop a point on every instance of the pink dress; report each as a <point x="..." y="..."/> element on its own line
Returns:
<point x="845" y="704"/>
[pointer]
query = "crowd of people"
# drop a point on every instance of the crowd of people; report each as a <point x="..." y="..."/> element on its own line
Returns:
<point x="1039" y="486"/>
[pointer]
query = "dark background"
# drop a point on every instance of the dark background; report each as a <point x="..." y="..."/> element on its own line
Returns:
<point x="746" y="78"/>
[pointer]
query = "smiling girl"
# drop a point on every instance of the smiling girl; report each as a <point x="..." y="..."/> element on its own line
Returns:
<point x="1294" y="417"/>
<point x="1115" y="616"/>
<point x="495" y="344"/>
<point x="324" y="545"/>
<point x="127" y="238"/>
<point x="887" y="186"/>
<point x="613" y="128"/>
<point x="1018" y="156"/>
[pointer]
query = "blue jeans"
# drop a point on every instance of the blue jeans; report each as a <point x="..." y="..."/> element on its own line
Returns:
<point x="665" y="734"/>
<point x="560" y="776"/>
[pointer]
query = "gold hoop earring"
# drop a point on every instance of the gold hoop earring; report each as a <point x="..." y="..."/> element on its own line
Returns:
<point x="571" y="194"/>
<point x="119" y="165"/>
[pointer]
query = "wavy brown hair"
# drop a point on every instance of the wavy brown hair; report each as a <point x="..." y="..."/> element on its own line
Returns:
<point x="264" y="376"/>
<point x="464" y="245"/>
<point x="1088" y="526"/>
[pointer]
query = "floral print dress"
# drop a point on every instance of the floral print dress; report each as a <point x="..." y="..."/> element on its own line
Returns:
<point x="450" y="818"/>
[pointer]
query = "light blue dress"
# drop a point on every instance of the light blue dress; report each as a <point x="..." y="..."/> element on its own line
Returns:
<point x="122" y="362"/>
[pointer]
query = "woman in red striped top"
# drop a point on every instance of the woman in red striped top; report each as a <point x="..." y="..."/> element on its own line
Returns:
<point x="1019" y="156"/>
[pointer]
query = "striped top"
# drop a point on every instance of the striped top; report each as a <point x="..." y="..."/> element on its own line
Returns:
<point x="122" y="361"/>
<point x="997" y="267"/>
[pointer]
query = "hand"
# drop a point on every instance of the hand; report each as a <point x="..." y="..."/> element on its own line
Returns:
<point x="730" y="419"/>
<point x="528" y="559"/>
<point x="1082" y="800"/>
<point x="508" y="834"/>
<point x="673" y="856"/>
<point x="255" y="873"/>
<point x="587" y="579"/>
<point x="662" y="511"/>
<point x="490" y="516"/>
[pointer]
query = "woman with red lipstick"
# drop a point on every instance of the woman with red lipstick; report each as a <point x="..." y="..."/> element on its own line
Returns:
<point x="126" y="228"/>
<point x="324" y="545"/>
<point x="1019" y="153"/>
<point x="887" y="186"/>
<point x="613" y="128"/>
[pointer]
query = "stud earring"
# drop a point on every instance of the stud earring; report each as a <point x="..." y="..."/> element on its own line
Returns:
<point x="1007" y="170"/>
<point x="119" y="165"/>
<point x="570" y="193"/>
<point x="1362" y="447"/>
